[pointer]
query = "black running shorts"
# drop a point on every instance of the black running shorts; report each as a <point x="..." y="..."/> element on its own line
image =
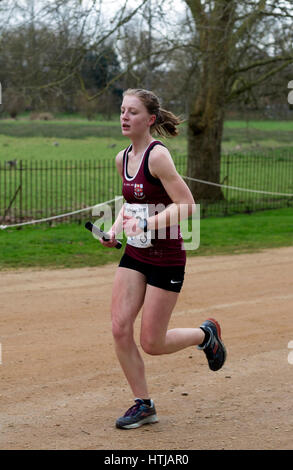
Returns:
<point x="165" y="277"/>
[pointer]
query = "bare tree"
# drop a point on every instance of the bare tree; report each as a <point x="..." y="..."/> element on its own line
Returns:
<point x="228" y="32"/>
<point x="72" y="28"/>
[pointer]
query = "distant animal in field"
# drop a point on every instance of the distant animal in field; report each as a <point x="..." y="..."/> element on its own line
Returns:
<point x="11" y="163"/>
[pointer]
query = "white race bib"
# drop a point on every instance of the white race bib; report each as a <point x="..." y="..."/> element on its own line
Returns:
<point x="143" y="240"/>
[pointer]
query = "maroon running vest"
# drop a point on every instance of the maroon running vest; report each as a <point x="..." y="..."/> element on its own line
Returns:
<point x="143" y="188"/>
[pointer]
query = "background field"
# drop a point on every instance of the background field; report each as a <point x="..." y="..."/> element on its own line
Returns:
<point x="64" y="157"/>
<point x="77" y="138"/>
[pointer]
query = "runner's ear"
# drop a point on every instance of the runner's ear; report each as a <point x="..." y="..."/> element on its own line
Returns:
<point x="152" y="120"/>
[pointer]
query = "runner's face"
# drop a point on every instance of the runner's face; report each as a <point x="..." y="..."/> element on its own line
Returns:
<point x="135" y="118"/>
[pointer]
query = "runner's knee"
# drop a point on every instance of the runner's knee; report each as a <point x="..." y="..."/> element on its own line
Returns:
<point x="122" y="332"/>
<point x="151" y="346"/>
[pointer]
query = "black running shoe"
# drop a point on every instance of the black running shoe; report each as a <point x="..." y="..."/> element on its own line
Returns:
<point x="214" y="349"/>
<point x="137" y="415"/>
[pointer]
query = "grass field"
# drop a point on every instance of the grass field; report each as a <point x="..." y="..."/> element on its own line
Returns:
<point x="76" y="139"/>
<point x="52" y="148"/>
<point x="72" y="140"/>
<point x="71" y="246"/>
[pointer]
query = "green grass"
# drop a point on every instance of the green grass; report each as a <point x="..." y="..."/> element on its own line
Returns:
<point x="261" y="125"/>
<point x="52" y="148"/>
<point x="79" y="138"/>
<point x="246" y="233"/>
<point x="71" y="246"/>
<point x="62" y="246"/>
<point x="77" y="141"/>
<point x="72" y="139"/>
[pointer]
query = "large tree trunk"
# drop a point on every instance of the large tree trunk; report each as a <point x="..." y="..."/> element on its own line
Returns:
<point x="206" y="113"/>
<point x="204" y="154"/>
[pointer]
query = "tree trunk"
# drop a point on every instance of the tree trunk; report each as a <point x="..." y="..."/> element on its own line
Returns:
<point x="206" y="113"/>
<point x="204" y="155"/>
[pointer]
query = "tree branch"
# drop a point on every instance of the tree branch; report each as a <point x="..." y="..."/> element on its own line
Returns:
<point x="122" y="20"/>
<point x="246" y="25"/>
<point x="196" y="9"/>
<point x="121" y="74"/>
<point x="260" y="63"/>
<point x="260" y="80"/>
<point x="277" y="15"/>
<point x="77" y="60"/>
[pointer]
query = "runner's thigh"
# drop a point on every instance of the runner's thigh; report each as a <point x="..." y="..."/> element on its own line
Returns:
<point x="157" y="310"/>
<point x="128" y="295"/>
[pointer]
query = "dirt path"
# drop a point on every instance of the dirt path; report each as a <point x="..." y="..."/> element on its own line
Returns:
<point x="61" y="386"/>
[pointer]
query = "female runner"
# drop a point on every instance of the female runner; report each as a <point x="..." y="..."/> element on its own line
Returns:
<point x="151" y="272"/>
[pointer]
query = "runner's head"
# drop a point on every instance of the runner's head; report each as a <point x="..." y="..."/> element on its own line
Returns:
<point x="165" y="123"/>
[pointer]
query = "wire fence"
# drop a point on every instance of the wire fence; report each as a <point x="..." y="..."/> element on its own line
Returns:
<point x="40" y="189"/>
<point x="251" y="182"/>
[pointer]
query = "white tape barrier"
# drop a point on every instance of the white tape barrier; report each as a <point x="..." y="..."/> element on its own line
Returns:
<point x="3" y="227"/>
<point x="237" y="188"/>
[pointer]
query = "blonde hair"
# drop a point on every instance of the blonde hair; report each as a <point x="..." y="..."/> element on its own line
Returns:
<point x="166" y="122"/>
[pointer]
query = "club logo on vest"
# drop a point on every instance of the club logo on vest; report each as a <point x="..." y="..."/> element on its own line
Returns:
<point x="138" y="191"/>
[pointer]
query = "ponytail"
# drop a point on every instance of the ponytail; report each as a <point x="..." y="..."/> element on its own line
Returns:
<point x="166" y="122"/>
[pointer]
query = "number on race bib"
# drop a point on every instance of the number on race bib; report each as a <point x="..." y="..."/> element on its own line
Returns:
<point x="143" y="240"/>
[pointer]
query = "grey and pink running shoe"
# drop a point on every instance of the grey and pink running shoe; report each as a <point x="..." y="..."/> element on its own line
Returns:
<point x="137" y="415"/>
<point x="214" y="348"/>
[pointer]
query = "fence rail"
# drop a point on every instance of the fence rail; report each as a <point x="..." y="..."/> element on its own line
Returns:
<point x="39" y="189"/>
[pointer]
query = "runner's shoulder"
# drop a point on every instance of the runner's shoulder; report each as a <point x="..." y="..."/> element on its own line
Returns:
<point x="160" y="159"/>
<point x="119" y="161"/>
